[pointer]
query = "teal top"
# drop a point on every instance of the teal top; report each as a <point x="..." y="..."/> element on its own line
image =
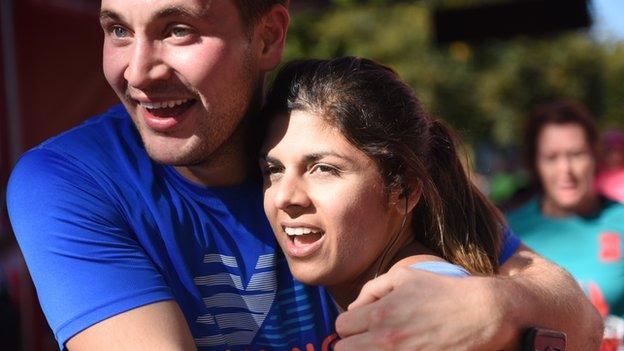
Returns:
<point x="588" y="247"/>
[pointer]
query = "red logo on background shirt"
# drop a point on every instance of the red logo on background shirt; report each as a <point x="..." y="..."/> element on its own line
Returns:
<point x="610" y="247"/>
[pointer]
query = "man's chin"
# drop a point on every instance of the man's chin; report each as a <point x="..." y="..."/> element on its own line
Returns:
<point x="172" y="156"/>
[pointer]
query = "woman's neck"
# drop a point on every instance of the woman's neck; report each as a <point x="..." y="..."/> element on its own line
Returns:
<point x="587" y="207"/>
<point x="408" y="251"/>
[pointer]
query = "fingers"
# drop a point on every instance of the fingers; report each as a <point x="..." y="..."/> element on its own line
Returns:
<point x="382" y="333"/>
<point x="354" y="321"/>
<point x="373" y="308"/>
<point x="362" y="342"/>
<point x="374" y="290"/>
<point x="367" y="310"/>
<point x="383" y="285"/>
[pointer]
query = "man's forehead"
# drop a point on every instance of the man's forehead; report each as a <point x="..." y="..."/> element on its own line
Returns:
<point x="157" y="8"/>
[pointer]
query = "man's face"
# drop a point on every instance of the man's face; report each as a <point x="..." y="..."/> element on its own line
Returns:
<point x="185" y="70"/>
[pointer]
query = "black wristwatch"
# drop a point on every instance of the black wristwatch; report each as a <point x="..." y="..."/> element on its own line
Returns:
<point x="540" y="339"/>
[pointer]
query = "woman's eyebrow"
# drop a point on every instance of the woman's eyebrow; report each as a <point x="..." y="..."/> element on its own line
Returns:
<point x="268" y="159"/>
<point x="313" y="157"/>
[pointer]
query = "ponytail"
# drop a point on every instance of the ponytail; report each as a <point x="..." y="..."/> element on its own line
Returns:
<point x="379" y="114"/>
<point x="453" y="217"/>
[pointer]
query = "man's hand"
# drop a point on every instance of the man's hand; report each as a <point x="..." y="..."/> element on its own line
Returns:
<point x="410" y="309"/>
<point x="416" y="310"/>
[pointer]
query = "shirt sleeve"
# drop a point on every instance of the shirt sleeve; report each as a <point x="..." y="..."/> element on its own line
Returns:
<point x="442" y="268"/>
<point x="511" y="243"/>
<point x="86" y="264"/>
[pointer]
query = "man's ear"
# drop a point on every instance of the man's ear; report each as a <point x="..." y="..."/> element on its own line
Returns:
<point x="271" y="33"/>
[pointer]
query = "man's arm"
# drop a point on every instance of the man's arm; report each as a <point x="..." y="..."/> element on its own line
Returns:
<point x="157" y="326"/>
<point x="470" y="314"/>
<point x="92" y="275"/>
<point x="557" y="300"/>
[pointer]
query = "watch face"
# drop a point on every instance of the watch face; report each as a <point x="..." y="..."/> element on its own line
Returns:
<point x="538" y="339"/>
<point x="549" y="343"/>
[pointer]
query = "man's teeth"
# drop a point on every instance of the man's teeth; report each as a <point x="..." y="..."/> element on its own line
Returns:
<point x="163" y="104"/>
<point x="299" y="231"/>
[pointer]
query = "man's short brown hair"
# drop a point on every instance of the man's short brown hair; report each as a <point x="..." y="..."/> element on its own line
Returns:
<point x="252" y="10"/>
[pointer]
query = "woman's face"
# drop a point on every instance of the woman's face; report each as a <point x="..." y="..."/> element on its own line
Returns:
<point x="566" y="166"/>
<point x="325" y="201"/>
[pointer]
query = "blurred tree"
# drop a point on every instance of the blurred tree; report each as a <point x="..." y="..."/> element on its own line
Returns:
<point x="485" y="90"/>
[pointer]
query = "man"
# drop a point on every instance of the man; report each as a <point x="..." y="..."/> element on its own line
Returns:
<point x="144" y="230"/>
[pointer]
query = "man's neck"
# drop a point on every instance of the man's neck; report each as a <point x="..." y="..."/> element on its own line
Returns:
<point x="229" y="165"/>
<point x="228" y="173"/>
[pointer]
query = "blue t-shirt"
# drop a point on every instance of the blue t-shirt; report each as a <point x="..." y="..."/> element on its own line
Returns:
<point x="104" y="230"/>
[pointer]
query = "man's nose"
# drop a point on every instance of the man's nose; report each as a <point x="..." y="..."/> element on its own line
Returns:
<point x="146" y="65"/>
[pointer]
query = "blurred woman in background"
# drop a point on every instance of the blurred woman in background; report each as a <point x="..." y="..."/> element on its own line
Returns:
<point x="568" y="221"/>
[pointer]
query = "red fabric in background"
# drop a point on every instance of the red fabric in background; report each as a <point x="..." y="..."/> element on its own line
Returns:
<point x="58" y="45"/>
<point x="60" y="71"/>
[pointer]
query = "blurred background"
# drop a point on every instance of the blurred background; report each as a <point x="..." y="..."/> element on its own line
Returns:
<point x="481" y="65"/>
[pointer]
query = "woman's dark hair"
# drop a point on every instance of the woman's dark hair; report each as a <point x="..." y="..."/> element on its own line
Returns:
<point x="558" y="112"/>
<point x="380" y="115"/>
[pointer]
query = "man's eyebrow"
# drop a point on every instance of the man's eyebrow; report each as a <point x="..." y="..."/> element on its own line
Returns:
<point x="183" y="11"/>
<point x="172" y="11"/>
<point x="109" y="15"/>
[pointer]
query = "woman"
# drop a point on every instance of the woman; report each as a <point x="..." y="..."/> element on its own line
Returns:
<point x="568" y="221"/>
<point x="359" y="179"/>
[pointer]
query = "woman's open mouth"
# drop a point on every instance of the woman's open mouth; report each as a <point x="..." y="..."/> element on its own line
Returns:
<point x="304" y="241"/>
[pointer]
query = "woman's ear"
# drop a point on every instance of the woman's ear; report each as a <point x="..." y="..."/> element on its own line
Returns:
<point x="270" y="32"/>
<point x="406" y="199"/>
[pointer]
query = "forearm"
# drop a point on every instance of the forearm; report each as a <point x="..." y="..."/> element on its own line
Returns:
<point x="532" y="291"/>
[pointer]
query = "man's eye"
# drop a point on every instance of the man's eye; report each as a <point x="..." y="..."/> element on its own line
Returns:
<point x="180" y="32"/>
<point x="119" y="32"/>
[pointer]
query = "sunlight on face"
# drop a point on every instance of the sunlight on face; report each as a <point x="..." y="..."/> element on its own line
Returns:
<point x="184" y="69"/>
<point x="325" y="200"/>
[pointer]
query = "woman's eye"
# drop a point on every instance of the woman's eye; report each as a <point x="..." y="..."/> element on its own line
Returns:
<point x="271" y="169"/>
<point x="324" y="169"/>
